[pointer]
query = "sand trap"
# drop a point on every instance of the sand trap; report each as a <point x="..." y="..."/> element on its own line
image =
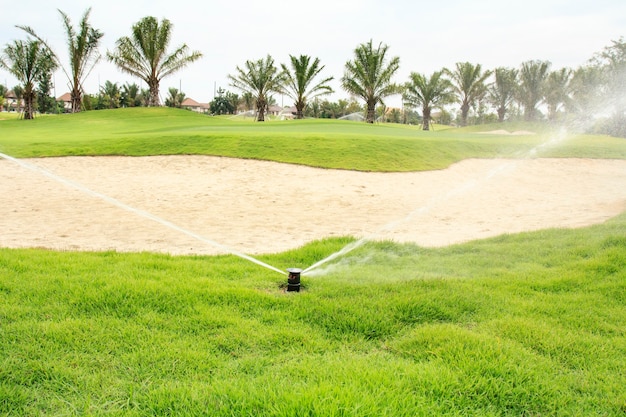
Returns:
<point x="262" y="207"/>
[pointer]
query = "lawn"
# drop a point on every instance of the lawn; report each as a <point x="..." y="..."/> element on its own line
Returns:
<point x="321" y="143"/>
<point x="529" y="324"/>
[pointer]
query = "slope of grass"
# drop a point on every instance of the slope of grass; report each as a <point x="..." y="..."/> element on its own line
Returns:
<point x="323" y="143"/>
<point x="530" y="324"/>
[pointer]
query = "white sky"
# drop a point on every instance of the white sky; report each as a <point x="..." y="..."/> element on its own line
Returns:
<point x="427" y="36"/>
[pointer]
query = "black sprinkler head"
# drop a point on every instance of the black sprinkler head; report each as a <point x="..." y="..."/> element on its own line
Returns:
<point x="293" y="281"/>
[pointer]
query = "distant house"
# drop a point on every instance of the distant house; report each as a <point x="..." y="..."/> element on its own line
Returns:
<point x="282" y="112"/>
<point x="274" y="110"/>
<point x="66" y="99"/>
<point x="11" y="102"/>
<point x="193" y="105"/>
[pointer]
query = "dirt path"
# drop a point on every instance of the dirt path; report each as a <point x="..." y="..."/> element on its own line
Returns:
<point x="262" y="207"/>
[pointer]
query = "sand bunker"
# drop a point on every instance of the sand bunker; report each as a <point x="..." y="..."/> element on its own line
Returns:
<point x="262" y="207"/>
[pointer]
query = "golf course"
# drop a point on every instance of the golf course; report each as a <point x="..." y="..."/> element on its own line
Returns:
<point x="451" y="272"/>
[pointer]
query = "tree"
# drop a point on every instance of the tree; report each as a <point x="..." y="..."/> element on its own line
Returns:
<point x="233" y="100"/>
<point x="145" y="55"/>
<point x="612" y="61"/>
<point x="28" y="61"/>
<point x="587" y="93"/>
<point x="3" y="91"/>
<point x="533" y="75"/>
<point x="110" y="95"/>
<point x="130" y="96"/>
<point x="428" y="94"/>
<point x="300" y="84"/>
<point x="369" y="76"/>
<point x="502" y="91"/>
<point x="259" y="78"/>
<point x="469" y="84"/>
<point x="175" y="98"/>
<point x="557" y="91"/>
<point x="82" y="51"/>
<point x="247" y="100"/>
<point x="18" y="91"/>
<point x="45" y="103"/>
<point x="224" y="103"/>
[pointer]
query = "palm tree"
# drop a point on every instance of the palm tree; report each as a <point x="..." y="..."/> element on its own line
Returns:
<point x="587" y="94"/>
<point x="18" y="92"/>
<point x="533" y="76"/>
<point x="259" y="78"/>
<point x="428" y="93"/>
<point x="502" y="91"/>
<point x="369" y="76"/>
<point x="110" y="95"/>
<point x="130" y="95"/>
<point x="247" y="99"/>
<point x="299" y="81"/>
<point x="83" y="53"/>
<point x="469" y="84"/>
<point x="612" y="62"/>
<point x="175" y="98"/>
<point x="29" y="61"/>
<point x="144" y="54"/>
<point x="557" y="91"/>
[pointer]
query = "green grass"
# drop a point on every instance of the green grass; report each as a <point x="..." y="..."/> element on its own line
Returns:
<point x="530" y="324"/>
<point x="322" y="143"/>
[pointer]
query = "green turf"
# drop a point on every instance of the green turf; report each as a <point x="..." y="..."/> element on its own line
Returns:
<point x="322" y="143"/>
<point x="529" y="324"/>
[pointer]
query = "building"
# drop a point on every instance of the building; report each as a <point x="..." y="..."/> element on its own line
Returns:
<point x="66" y="99"/>
<point x="11" y="102"/>
<point x="193" y="105"/>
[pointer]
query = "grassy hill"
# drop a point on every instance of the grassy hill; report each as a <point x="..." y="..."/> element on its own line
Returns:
<point x="530" y="324"/>
<point x="322" y="143"/>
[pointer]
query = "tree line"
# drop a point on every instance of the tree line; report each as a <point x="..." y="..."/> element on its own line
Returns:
<point x="533" y="91"/>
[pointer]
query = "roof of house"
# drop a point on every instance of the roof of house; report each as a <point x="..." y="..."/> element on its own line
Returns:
<point x="189" y="102"/>
<point x="67" y="97"/>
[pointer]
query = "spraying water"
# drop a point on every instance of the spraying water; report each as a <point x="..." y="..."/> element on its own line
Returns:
<point x="137" y="211"/>
<point x="357" y="116"/>
<point x="457" y="191"/>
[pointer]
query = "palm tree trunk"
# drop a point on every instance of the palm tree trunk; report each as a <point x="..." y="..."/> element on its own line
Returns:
<point x="29" y="103"/>
<point x="464" y="112"/>
<point x="300" y="111"/>
<point x="501" y="113"/>
<point x="154" y="94"/>
<point x="426" y="118"/>
<point x="371" y="112"/>
<point x="260" y="108"/>
<point x="76" y="98"/>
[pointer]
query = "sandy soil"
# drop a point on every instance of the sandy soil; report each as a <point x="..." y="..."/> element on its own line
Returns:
<point x="262" y="207"/>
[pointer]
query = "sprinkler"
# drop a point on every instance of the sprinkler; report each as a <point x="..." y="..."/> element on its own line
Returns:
<point x="293" y="281"/>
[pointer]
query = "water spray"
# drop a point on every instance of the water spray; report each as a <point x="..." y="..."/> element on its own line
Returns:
<point x="460" y="190"/>
<point x="137" y="211"/>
